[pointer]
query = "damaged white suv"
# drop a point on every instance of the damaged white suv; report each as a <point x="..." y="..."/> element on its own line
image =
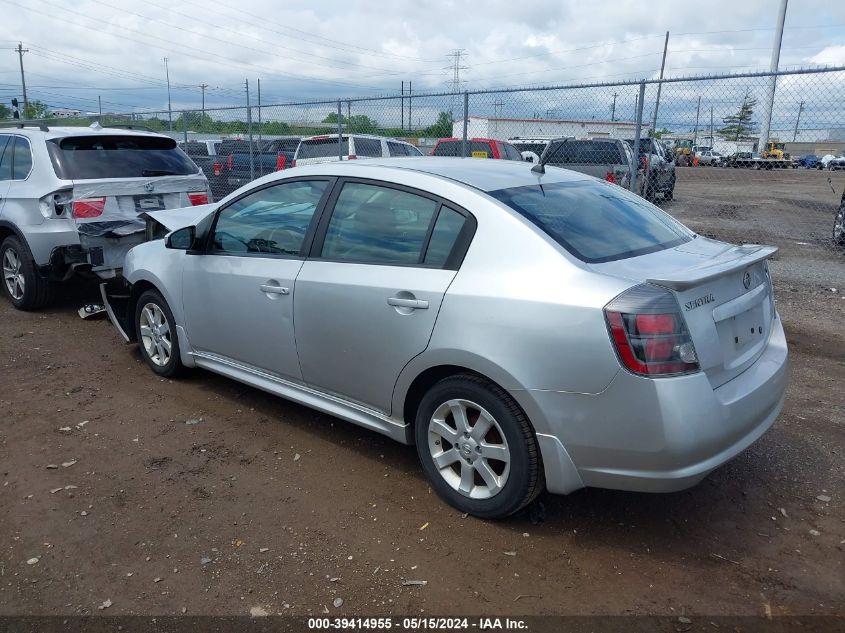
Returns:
<point x="70" y="201"/>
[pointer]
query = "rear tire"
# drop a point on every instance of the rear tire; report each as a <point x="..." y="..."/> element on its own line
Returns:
<point x="477" y="447"/>
<point x="669" y="194"/>
<point x="155" y="331"/>
<point x="22" y="285"/>
<point x="839" y="227"/>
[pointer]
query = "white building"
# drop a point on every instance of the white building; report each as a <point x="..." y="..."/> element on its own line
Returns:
<point x="65" y="113"/>
<point x="500" y="128"/>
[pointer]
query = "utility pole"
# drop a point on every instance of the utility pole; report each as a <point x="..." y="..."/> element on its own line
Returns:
<point x="100" y="106"/>
<point x="21" y="50"/>
<point x="712" y="138"/>
<point x="613" y="107"/>
<point x="697" y="112"/>
<point x="169" y="108"/>
<point x="260" y="151"/>
<point x="249" y="130"/>
<point x="456" y="68"/>
<point x="410" y="91"/>
<point x="769" y="101"/>
<point x="797" y="121"/>
<point x="402" y="107"/>
<point x="203" y="87"/>
<point x="659" y="86"/>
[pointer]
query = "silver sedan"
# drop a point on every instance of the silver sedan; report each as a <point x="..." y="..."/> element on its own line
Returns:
<point x="524" y="330"/>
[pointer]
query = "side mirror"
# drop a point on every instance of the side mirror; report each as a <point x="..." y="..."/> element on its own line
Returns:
<point x="181" y="240"/>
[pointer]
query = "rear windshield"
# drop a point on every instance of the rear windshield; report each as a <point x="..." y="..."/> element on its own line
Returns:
<point x="453" y="148"/>
<point x="194" y="149"/>
<point x="228" y="148"/>
<point x="89" y="157"/>
<point x="585" y="153"/>
<point x="322" y="148"/>
<point x="595" y="221"/>
<point x="283" y="145"/>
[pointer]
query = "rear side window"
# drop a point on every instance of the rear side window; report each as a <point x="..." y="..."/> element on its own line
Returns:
<point x="88" y="157"/>
<point x="397" y="149"/>
<point x="378" y="225"/>
<point x="446" y="230"/>
<point x="322" y="148"/>
<point x="21" y="159"/>
<point x="6" y="146"/>
<point x="283" y="145"/>
<point x="595" y="221"/>
<point x="585" y="153"/>
<point x="510" y="152"/>
<point x="369" y="147"/>
<point x="195" y="149"/>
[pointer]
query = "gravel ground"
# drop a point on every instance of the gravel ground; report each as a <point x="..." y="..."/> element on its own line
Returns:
<point x="203" y="496"/>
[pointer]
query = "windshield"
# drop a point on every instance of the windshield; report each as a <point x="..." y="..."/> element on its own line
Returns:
<point x="595" y="221"/>
<point x="90" y="157"/>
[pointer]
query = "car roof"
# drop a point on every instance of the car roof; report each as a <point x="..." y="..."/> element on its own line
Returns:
<point x="486" y="175"/>
<point x="63" y="132"/>
<point x="348" y="134"/>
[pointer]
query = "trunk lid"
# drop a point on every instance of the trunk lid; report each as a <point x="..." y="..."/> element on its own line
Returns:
<point x="724" y="293"/>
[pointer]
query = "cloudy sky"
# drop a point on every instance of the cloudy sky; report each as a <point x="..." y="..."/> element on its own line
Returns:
<point x="327" y="49"/>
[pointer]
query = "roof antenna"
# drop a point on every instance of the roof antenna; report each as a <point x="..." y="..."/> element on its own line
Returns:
<point x="540" y="168"/>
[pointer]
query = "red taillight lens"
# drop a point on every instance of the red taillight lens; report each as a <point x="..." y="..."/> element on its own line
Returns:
<point x="610" y="177"/>
<point x="293" y="163"/>
<point x="352" y="157"/>
<point x="217" y="169"/>
<point x="230" y="163"/>
<point x="644" y="161"/>
<point x="281" y="159"/>
<point x="88" y="208"/>
<point x="649" y="333"/>
<point x="198" y="198"/>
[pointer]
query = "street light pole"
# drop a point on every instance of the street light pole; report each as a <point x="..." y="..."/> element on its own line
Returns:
<point x="169" y="108"/>
<point x="769" y="101"/>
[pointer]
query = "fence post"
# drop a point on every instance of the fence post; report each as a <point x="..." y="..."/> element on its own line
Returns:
<point x="185" y="127"/>
<point x="249" y="130"/>
<point x="466" y="124"/>
<point x="260" y="152"/>
<point x="637" y="134"/>
<point x="339" y="132"/>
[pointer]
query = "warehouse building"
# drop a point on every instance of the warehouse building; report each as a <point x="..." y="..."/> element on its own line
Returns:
<point x="502" y="128"/>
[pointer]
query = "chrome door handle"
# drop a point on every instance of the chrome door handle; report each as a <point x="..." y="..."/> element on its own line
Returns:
<point x="414" y="304"/>
<point x="274" y="290"/>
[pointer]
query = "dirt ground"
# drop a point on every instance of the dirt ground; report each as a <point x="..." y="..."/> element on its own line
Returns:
<point x="205" y="496"/>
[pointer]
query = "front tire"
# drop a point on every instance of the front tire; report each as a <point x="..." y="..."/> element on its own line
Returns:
<point x="22" y="285"/>
<point x="477" y="447"/>
<point x="155" y="331"/>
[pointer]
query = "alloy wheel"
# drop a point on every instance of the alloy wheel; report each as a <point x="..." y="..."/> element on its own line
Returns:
<point x="469" y="449"/>
<point x="156" y="336"/>
<point x="13" y="275"/>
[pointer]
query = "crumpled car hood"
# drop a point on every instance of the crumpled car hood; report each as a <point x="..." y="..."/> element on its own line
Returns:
<point x="174" y="219"/>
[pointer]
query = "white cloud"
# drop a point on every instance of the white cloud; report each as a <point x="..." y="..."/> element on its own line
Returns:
<point x="830" y="56"/>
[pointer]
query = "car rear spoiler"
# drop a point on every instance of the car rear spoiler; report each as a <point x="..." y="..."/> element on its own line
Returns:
<point x="732" y="259"/>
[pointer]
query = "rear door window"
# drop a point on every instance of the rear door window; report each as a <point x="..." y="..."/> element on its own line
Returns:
<point x="101" y="156"/>
<point x="21" y="159"/>
<point x="397" y="149"/>
<point x="596" y="221"/>
<point x="379" y="225"/>
<point x="322" y="148"/>
<point x="369" y="147"/>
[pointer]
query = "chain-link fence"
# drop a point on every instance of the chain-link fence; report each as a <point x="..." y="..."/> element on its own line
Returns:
<point x="704" y="148"/>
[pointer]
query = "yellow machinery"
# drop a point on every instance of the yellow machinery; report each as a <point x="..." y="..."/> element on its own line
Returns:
<point x="774" y="149"/>
<point x="683" y="152"/>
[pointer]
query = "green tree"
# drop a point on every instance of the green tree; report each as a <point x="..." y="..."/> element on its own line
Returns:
<point x="5" y="112"/>
<point x="332" y="118"/>
<point x="442" y="127"/>
<point x="36" y="110"/>
<point x="740" y="126"/>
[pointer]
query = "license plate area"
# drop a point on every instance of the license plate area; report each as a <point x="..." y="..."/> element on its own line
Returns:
<point x="747" y="328"/>
<point x="150" y="202"/>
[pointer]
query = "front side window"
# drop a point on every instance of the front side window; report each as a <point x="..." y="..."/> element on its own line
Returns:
<point x="272" y="220"/>
<point x="376" y="224"/>
<point x="596" y="221"/>
<point x="21" y="159"/>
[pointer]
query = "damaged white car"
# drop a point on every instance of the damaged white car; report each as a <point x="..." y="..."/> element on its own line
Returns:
<point x="71" y="201"/>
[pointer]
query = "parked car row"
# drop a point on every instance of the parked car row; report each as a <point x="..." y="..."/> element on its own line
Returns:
<point x="524" y="327"/>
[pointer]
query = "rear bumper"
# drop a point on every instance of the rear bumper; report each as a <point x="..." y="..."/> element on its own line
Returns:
<point x="659" y="435"/>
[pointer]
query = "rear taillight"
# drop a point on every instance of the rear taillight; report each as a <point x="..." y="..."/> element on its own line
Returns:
<point x="218" y="168"/>
<point x="649" y="332"/>
<point x="198" y="198"/>
<point x="293" y="163"/>
<point x="281" y="159"/>
<point x="88" y="208"/>
<point x="610" y="177"/>
<point x="230" y="163"/>
<point x="352" y="157"/>
<point x="644" y="161"/>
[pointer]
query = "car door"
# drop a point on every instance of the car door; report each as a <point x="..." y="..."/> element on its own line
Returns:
<point x="367" y="299"/>
<point x="238" y="292"/>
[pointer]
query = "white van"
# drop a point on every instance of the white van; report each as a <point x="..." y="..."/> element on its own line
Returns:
<point x="325" y="148"/>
